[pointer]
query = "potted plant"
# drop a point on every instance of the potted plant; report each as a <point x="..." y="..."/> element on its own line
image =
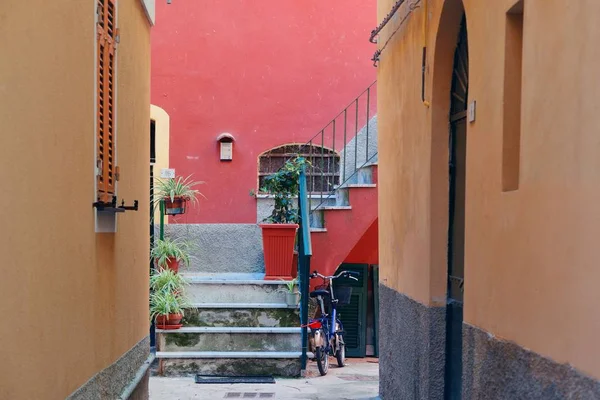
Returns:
<point x="167" y="280"/>
<point x="167" y="298"/>
<point x="279" y="231"/>
<point x="292" y="293"/>
<point x="166" y="309"/>
<point x="168" y="253"/>
<point x="176" y="193"/>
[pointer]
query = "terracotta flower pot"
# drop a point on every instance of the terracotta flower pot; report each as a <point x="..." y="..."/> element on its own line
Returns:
<point x="278" y="246"/>
<point x="175" y="207"/>
<point x="173" y="264"/>
<point x="168" y="321"/>
<point x="295" y="265"/>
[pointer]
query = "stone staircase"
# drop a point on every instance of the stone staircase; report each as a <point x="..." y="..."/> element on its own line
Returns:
<point x="238" y="326"/>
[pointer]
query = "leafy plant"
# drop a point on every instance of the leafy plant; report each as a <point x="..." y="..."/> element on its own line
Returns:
<point x="284" y="185"/>
<point x="169" y="248"/>
<point x="167" y="280"/>
<point x="177" y="187"/>
<point x="165" y="303"/>
<point x="291" y="285"/>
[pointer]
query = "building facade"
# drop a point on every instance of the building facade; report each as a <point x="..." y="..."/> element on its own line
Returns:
<point x="488" y="154"/>
<point x="74" y="111"/>
<point x="269" y="74"/>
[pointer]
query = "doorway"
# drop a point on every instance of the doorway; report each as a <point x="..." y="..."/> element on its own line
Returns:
<point x="456" y="221"/>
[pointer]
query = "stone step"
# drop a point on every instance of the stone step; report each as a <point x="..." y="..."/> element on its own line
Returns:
<point x="242" y="315"/>
<point x="229" y="363"/>
<point x="200" y="339"/>
<point x="212" y="290"/>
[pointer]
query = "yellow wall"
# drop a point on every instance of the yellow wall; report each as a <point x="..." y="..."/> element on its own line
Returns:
<point x="531" y="254"/>
<point x="73" y="301"/>
<point x="162" y="126"/>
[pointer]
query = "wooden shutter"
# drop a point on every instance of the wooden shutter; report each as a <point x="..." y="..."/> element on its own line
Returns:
<point x="107" y="34"/>
<point x="354" y="315"/>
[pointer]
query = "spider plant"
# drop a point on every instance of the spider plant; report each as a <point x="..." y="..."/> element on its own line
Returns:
<point x="170" y="248"/>
<point x="165" y="303"/>
<point x="167" y="280"/>
<point x="292" y="286"/>
<point x="177" y="187"/>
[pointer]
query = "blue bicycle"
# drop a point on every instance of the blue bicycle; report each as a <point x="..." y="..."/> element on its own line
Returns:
<point x="327" y="332"/>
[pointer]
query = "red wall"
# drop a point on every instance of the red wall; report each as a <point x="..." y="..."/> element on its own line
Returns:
<point x="366" y="251"/>
<point x="267" y="71"/>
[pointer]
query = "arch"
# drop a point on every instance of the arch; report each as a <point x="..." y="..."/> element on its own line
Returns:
<point x="443" y="62"/>
<point x="447" y="182"/>
<point x="162" y="123"/>
<point x="323" y="174"/>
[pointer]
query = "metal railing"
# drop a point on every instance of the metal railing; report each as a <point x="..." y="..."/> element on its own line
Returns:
<point x="304" y="255"/>
<point x="336" y="152"/>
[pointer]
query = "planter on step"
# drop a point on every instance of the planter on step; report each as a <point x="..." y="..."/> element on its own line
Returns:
<point x="278" y="246"/>
<point x="292" y="299"/>
<point x="170" y="321"/>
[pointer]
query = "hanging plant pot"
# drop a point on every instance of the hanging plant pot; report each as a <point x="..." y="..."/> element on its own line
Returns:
<point x="278" y="246"/>
<point x="176" y="206"/>
<point x="171" y="321"/>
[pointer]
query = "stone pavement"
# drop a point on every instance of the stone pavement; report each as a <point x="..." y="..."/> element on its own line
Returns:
<point x="358" y="380"/>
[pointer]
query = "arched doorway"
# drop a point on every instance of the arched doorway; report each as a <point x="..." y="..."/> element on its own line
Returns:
<point x="457" y="146"/>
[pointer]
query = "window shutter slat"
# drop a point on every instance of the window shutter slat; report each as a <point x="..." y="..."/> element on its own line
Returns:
<point x="106" y="99"/>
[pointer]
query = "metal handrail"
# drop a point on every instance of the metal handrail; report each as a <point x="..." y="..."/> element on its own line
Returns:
<point x="304" y="254"/>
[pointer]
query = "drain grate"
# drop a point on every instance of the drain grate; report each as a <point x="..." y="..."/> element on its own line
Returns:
<point x="360" y="378"/>
<point x="233" y="379"/>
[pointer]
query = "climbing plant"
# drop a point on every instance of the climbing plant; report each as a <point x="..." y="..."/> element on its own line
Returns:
<point x="284" y="185"/>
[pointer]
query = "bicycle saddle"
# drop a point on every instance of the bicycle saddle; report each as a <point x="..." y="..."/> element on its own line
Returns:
<point x="319" y="292"/>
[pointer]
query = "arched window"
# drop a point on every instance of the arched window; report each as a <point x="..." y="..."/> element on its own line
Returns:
<point x="323" y="174"/>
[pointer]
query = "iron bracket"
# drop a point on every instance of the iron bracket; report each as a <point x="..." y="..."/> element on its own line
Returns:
<point x="112" y="206"/>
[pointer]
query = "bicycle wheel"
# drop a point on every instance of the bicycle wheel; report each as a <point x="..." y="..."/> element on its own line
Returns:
<point x="340" y="353"/>
<point x="322" y="360"/>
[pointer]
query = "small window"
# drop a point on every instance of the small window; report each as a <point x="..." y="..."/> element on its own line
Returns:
<point x="323" y="174"/>
<point x="105" y="64"/>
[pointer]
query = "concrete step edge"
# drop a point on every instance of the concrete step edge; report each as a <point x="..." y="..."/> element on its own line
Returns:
<point x="195" y="279"/>
<point x="230" y="354"/>
<point x="334" y="208"/>
<point x="233" y="330"/>
<point x="361" y="185"/>
<point x="243" y="305"/>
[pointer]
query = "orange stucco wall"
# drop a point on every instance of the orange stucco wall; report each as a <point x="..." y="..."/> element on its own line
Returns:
<point x="73" y="301"/>
<point x="530" y="254"/>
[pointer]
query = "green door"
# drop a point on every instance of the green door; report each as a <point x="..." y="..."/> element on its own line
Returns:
<point x="354" y="315"/>
<point x="376" y="308"/>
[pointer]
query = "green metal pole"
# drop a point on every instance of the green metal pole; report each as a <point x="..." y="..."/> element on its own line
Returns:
<point x="162" y="220"/>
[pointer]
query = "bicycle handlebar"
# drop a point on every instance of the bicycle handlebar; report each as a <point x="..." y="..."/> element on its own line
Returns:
<point x="347" y="274"/>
